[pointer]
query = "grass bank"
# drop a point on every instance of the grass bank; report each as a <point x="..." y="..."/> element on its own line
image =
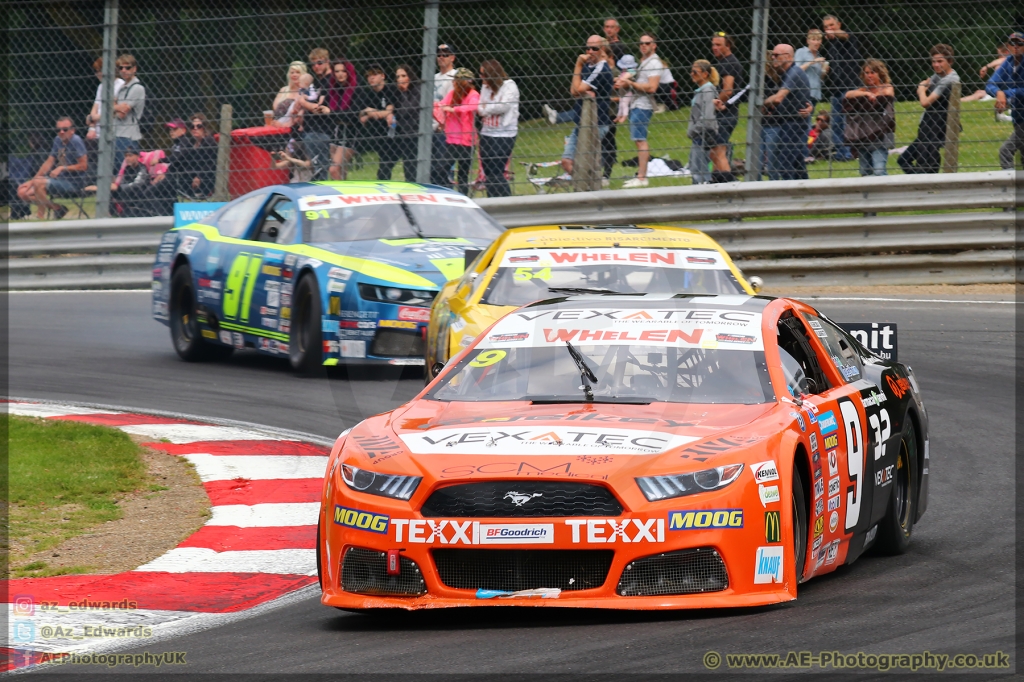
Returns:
<point x="63" y="479"/>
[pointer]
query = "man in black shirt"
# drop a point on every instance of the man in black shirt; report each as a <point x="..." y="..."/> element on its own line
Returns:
<point x="609" y="146"/>
<point x="318" y="123"/>
<point x="844" y="62"/>
<point x="730" y="71"/>
<point x="615" y="44"/>
<point x="375" y="103"/>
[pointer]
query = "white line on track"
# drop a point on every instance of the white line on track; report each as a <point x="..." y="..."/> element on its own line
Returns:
<point x="191" y="433"/>
<point x="265" y="515"/>
<point x="897" y="300"/>
<point x="257" y="467"/>
<point x="201" y="559"/>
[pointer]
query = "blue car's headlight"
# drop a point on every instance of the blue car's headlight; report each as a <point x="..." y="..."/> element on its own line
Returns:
<point x="665" y="487"/>
<point x="418" y="297"/>
<point x="385" y="485"/>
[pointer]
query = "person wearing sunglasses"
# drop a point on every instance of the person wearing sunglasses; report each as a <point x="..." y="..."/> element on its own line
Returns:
<point x="128" y="108"/>
<point x="591" y="77"/>
<point x="641" y="108"/>
<point x="201" y="157"/>
<point x="61" y="175"/>
<point x="785" y="126"/>
<point x="318" y="122"/>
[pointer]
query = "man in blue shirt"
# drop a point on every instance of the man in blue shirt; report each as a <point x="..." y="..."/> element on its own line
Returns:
<point x="1007" y="86"/>
<point x="592" y="77"/>
<point x="785" y="127"/>
<point x="61" y="175"/>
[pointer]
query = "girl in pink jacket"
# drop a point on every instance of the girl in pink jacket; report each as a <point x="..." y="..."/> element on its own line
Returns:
<point x="456" y="113"/>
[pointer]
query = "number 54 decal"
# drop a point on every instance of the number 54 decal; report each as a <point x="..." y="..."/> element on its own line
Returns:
<point x="241" y="282"/>
<point x="854" y="462"/>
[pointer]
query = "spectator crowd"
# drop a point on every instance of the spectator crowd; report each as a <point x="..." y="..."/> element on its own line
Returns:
<point x="822" y="100"/>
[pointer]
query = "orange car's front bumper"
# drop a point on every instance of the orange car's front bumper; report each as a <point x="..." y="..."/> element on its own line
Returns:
<point x="631" y="537"/>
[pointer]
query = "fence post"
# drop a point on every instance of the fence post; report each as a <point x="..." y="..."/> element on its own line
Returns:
<point x="952" y="156"/>
<point x="426" y="130"/>
<point x="755" y="96"/>
<point x="220" y="192"/>
<point x="105" y="162"/>
<point x="586" y="167"/>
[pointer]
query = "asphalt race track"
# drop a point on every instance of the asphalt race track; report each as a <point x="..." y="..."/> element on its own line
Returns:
<point x="953" y="592"/>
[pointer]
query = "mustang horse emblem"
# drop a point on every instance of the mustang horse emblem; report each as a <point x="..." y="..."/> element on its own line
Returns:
<point x="519" y="499"/>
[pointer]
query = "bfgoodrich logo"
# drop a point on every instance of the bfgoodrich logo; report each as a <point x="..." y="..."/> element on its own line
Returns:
<point x="768" y="565"/>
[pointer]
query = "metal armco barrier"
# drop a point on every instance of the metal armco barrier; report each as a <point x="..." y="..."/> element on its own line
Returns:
<point x="972" y="237"/>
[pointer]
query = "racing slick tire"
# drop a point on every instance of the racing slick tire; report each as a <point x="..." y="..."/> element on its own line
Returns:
<point x="185" y="333"/>
<point x="800" y="528"/>
<point x="305" y="347"/>
<point x="895" y="529"/>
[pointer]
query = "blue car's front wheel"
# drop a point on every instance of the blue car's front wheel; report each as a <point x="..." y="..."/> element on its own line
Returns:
<point x="305" y="348"/>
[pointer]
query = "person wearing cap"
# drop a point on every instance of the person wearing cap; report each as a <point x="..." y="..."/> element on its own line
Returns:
<point x="130" y="187"/>
<point x="375" y="105"/>
<point x="163" y="187"/>
<point x="457" y="112"/>
<point x="1007" y="86"/>
<point x="443" y="79"/>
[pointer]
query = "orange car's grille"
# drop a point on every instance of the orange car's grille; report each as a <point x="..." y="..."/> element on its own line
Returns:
<point x="364" y="571"/>
<point x="685" y="572"/>
<point x="523" y="569"/>
<point x="521" y="499"/>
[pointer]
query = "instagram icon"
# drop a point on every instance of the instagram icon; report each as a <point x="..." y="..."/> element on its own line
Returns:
<point x="24" y="605"/>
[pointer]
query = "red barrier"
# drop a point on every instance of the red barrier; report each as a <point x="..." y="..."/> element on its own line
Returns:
<point x="251" y="164"/>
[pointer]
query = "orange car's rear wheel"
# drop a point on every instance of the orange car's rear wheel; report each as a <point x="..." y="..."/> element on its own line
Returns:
<point x="799" y="524"/>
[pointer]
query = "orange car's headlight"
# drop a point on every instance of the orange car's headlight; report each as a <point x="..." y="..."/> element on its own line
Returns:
<point x="385" y="485"/>
<point x="666" y="487"/>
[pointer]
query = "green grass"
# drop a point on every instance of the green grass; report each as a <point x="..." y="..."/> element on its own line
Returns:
<point x="538" y="141"/>
<point x="62" y="479"/>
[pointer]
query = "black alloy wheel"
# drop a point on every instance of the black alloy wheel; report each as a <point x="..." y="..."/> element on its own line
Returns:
<point x="800" y="528"/>
<point x="895" y="529"/>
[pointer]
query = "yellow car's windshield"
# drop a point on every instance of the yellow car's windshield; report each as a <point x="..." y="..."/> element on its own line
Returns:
<point x="527" y="275"/>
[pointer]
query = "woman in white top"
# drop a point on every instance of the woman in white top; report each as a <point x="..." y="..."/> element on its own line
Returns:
<point x="641" y="108"/>
<point x="499" y="111"/>
<point x="95" y="116"/>
<point x="286" y="96"/>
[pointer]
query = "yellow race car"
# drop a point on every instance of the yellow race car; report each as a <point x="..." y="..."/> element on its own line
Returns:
<point x="527" y="264"/>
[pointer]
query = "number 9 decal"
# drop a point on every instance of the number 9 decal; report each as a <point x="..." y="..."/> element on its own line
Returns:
<point x="488" y="358"/>
<point x="854" y="462"/>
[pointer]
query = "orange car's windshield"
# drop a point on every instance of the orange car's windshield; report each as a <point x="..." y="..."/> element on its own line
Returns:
<point x="625" y="373"/>
<point x="527" y="275"/>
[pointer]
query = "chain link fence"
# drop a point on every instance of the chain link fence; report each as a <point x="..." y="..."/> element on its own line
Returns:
<point x="317" y="91"/>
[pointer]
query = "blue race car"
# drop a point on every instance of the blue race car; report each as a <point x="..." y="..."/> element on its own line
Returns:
<point x="326" y="273"/>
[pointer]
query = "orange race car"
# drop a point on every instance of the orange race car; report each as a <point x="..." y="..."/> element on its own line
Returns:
<point x="638" y="452"/>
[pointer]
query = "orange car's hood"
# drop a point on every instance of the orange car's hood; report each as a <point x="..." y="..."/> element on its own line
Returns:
<point x="438" y="438"/>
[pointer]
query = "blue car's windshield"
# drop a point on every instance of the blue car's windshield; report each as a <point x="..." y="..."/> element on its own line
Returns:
<point x="344" y="218"/>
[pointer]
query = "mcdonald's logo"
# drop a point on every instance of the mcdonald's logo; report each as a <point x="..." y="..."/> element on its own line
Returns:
<point x="772" y="526"/>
